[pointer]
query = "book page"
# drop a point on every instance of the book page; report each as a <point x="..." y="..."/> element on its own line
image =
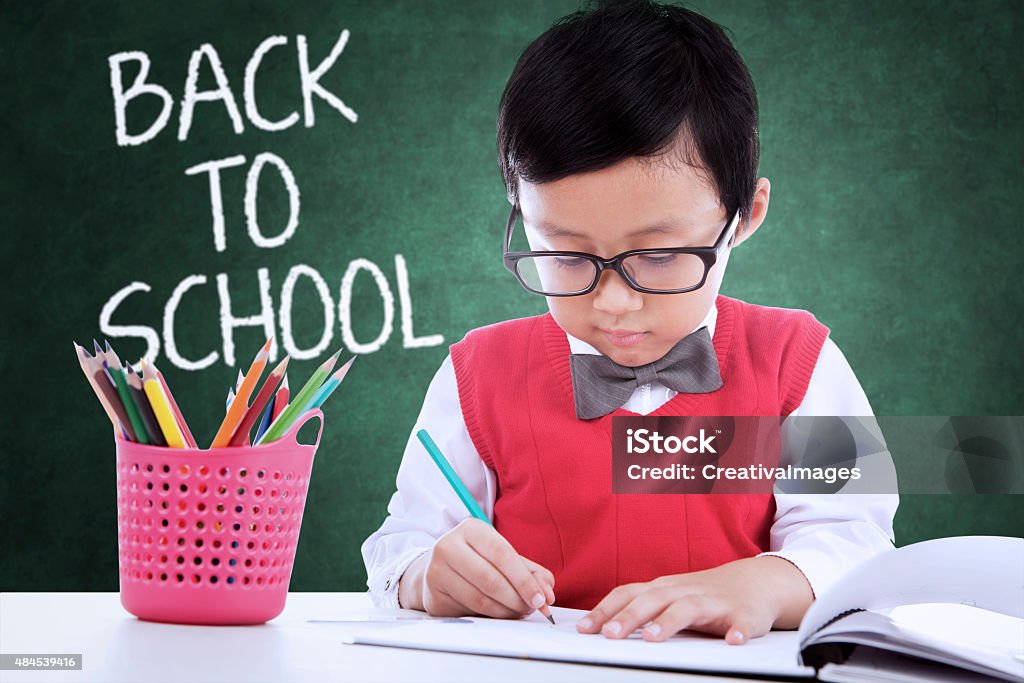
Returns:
<point x="980" y="571"/>
<point x="954" y="635"/>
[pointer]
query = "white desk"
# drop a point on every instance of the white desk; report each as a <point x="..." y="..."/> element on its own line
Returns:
<point x="115" y="646"/>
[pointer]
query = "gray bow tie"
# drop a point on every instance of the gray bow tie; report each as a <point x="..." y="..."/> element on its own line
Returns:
<point x="600" y="385"/>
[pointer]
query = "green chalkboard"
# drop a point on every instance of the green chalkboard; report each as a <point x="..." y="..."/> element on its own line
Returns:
<point x="890" y="132"/>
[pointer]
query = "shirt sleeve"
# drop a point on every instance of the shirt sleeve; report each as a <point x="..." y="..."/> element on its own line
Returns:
<point x="826" y="535"/>
<point x="424" y="506"/>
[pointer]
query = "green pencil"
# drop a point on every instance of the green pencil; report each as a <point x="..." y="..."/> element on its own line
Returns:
<point x="138" y="426"/>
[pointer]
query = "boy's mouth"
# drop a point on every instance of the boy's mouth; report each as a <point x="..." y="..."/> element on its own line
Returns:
<point x="623" y="338"/>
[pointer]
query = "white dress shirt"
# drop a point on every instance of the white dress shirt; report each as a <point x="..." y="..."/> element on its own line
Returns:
<point x="824" y="535"/>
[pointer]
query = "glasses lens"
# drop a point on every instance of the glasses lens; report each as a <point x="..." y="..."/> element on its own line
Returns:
<point x="557" y="274"/>
<point x="665" y="270"/>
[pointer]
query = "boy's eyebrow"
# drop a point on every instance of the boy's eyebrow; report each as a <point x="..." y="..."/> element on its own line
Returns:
<point x="663" y="228"/>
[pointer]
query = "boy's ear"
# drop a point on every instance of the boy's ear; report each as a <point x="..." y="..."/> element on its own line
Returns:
<point x="758" y="210"/>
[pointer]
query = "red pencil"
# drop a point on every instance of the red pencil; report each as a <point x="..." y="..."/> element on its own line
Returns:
<point x="281" y="400"/>
<point x="241" y="434"/>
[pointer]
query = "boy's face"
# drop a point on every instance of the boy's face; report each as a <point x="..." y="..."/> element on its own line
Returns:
<point x="635" y="204"/>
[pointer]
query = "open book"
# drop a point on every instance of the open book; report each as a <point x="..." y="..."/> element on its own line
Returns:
<point x="949" y="609"/>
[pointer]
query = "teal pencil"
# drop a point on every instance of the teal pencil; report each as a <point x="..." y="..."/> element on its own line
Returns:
<point x="324" y="392"/>
<point x="460" y="489"/>
<point x="446" y="469"/>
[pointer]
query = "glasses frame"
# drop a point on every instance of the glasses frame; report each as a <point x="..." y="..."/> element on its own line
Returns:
<point x="708" y="255"/>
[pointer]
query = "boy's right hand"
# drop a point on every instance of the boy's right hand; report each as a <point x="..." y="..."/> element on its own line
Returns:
<point x="472" y="569"/>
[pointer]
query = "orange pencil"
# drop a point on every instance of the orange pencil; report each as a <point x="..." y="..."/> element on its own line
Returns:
<point x="241" y="435"/>
<point x="189" y="439"/>
<point x="241" y="401"/>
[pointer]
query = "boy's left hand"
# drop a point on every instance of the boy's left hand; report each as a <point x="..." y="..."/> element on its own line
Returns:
<point x="739" y="600"/>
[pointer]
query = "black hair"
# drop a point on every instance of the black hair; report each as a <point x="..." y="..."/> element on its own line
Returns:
<point x="631" y="79"/>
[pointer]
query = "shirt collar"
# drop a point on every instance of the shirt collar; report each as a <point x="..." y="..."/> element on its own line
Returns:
<point x="580" y="346"/>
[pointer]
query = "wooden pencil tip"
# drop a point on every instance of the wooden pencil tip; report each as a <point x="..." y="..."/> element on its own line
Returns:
<point x="266" y="347"/>
<point x="343" y="370"/>
<point x="108" y="345"/>
<point x="96" y="345"/>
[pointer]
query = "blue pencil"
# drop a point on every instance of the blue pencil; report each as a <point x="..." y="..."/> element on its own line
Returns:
<point x="265" y="422"/>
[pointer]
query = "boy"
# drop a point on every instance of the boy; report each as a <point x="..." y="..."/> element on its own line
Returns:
<point x="629" y="127"/>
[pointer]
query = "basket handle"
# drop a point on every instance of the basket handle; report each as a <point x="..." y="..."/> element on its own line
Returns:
<point x="293" y="432"/>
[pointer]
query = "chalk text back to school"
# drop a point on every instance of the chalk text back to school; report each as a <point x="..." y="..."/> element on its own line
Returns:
<point x="133" y="130"/>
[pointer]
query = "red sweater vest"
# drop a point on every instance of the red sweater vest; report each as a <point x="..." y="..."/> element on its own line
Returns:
<point x="555" y="503"/>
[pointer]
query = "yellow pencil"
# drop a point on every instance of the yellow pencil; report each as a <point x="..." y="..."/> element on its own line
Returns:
<point x="241" y="401"/>
<point x="161" y="407"/>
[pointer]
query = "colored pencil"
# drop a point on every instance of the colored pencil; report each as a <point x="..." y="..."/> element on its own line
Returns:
<point x="190" y="440"/>
<point x="105" y="392"/>
<point x="268" y="413"/>
<point x="101" y="356"/>
<point x="449" y="473"/>
<point x="240" y="403"/>
<point x="460" y="489"/>
<point x="281" y="399"/>
<point x="241" y="434"/>
<point x="233" y="390"/>
<point x="324" y="392"/>
<point x="285" y="419"/>
<point x="161" y="407"/>
<point x="103" y="360"/>
<point x="156" y="436"/>
<point x="129" y="404"/>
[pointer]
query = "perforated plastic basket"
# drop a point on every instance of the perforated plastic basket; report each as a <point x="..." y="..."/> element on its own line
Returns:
<point x="209" y="536"/>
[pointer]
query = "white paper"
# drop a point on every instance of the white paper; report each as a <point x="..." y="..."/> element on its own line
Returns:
<point x="534" y="638"/>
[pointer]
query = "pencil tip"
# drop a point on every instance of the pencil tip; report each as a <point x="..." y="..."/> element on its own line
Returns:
<point x="551" y="619"/>
<point x="108" y="345"/>
<point x="96" y="345"/>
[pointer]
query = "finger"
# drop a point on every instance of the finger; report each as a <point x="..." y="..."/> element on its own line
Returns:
<point x="618" y="598"/>
<point x="462" y="597"/>
<point x="546" y="578"/>
<point x="468" y="563"/>
<point x="544" y="572"/>
<point x="644" y="607"/>
<point x="511" y="565"/>
<point x="742" y="629"/>
<point x="683" y="612"/>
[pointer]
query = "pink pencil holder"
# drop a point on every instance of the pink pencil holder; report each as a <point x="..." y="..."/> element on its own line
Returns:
<point x="209" y="536"/>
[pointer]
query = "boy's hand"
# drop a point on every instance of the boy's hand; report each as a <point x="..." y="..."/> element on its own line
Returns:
<point x="739" y="600"/>
<point x="472" y="569"/>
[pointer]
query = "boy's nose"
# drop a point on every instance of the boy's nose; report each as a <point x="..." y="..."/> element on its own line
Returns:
<point x="614" y="296"/>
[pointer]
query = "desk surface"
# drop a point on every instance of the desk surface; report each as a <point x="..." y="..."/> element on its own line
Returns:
<point x="115" y="646"/>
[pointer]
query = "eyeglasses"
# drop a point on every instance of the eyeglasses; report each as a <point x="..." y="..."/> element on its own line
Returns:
<point x="652" y="271"/>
